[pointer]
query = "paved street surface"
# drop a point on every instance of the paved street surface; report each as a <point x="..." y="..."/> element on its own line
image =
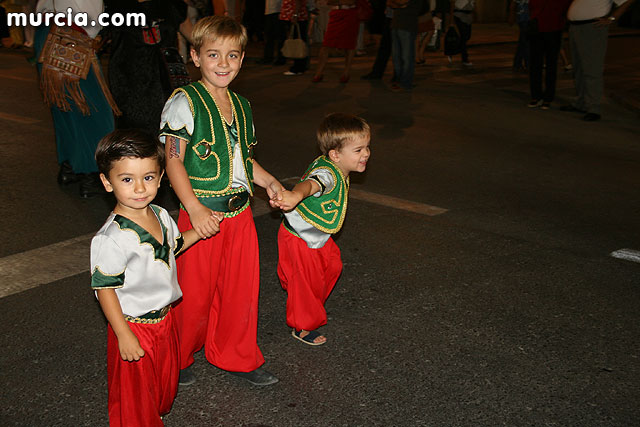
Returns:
<point x="479" y="286"/>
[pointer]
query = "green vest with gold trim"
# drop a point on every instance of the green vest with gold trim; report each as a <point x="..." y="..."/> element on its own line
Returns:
<point x="208" y="158"/>
<point x="327" y="212"/>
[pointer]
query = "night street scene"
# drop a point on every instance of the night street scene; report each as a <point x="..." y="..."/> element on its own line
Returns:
<point x="490" y="250"/>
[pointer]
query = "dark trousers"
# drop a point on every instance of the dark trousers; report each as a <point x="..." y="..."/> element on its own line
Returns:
<point x="384" y="50"/>
<point x="521" y="58"/>
<point x="273" y="37"/>
<point x="465" y="34"/>
<point x="544" y="50"/>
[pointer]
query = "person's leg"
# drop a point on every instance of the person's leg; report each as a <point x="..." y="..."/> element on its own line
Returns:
<point x="231" y="341"/>
<point x="270" y="22"/>
<point x="197" y="269"/>
<point x="396" y="53"/>
<point x="465" y="34"/>
<point x="323" y="56"/>
<point x="593" y="67"/>
<point x="409" y="59"/>
<point x="384" y="51"/>
<point x="300" y="65"/>
<point x="551" y="48"/>
<point x="133" y="389"/>
<point x="308" y="276"/>
<point x="578" y="56"/>
<point x="535" y="67"/>
<point x="348" y="61"/>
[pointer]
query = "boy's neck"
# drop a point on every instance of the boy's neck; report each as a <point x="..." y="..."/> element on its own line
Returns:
<point x="219" y="93"/>
<point x="134" y="215"/>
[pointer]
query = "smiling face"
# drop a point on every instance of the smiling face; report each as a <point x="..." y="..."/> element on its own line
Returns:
<point x="134" y="182"/>
<point x="353" y="155"/>
<point x="219" y="61"/>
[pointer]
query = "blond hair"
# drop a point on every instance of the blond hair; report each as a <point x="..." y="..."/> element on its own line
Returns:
<point x="212" y="28"/>
<point x="336" y="128"/>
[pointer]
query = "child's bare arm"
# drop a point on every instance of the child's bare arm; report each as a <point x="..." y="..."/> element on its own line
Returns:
<point x="203" y="219"/>
<point x="301" y="191"/>
<point x="267" y="181"/>
<point x="128" y="343"/>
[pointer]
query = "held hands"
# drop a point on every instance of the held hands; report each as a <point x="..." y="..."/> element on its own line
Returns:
<point x="129" y="347"/>
<point x="205" y="221"/>
<point x="289" y="200"/>
<point x="274" y="191"/>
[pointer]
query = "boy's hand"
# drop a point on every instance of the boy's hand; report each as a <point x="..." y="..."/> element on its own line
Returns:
<point x="275" y="191"/>
<point x="129" y="346"/>
<point x="289" y="200"/>
<point x="205" y="221"/>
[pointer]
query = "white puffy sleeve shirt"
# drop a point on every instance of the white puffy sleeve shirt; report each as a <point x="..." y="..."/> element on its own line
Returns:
<point x="125" y="257"/>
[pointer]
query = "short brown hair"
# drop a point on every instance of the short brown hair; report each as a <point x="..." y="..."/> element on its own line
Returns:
<point x="216" y="27"/>
<point x="336" y="128"/>
<point x="124" y="143"/>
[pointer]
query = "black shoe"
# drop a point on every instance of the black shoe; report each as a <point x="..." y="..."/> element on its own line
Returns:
<point x="66" y="174"/>
<point x="90" y="185"/>
<point x="571" y="109"/>
<point x="591" y="117"/>
<point x="187" y="377"/>
<point x="371" y="76"/>
<point x="257" y="377"/>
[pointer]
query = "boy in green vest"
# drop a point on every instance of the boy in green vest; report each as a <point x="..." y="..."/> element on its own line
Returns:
<point x="309" y="261"/>
<point x="209" y="137"/>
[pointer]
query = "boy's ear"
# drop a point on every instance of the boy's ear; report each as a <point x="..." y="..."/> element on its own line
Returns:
<point x="195" y="57"/>
<point x="160" y="177"/>
<point x="334" y="156"/>
<point x="106" y="183"/>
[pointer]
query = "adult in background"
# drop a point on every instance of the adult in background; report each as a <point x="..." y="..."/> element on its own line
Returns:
<point x="589" y="22"/>
<point x="293" y="11"/>
<point x="545" y="38"/>
<point x="404" y="29"/>
<point x="381" y="21"/>
<point x="82" y="112"/>
<point x="137" y="75"/>
<point x="462" y="13"/>
<point x="273" y="33"/>
<point x="519" y="14"/>
<point x="341" y="33"/>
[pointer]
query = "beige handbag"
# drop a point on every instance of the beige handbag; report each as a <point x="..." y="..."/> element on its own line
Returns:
<point x="294" y="47"/>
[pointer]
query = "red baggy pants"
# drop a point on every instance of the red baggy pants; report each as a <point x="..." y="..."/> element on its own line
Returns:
<point x="220" y="278"/>
<point x="308" y="276"/>
<point x="140" y="392"/>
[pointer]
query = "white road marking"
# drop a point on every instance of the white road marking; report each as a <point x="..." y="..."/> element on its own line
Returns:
<point x="18" y="119"/>
<point x="389" y="201"/>
<point x="627" y="254"/>
<point x="37" y="267"/>
<point x="58" y="261"/>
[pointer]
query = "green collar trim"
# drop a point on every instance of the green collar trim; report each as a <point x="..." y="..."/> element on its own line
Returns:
<point x="160" y="250"/>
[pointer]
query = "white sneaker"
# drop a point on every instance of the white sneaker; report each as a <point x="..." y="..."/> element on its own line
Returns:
<point x="291" y="73"/>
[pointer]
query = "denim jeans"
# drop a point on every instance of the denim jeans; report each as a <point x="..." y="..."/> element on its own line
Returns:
<point x="403" y="53"/>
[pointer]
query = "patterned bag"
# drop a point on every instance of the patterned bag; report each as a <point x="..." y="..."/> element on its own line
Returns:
<point x="66" y="58"/>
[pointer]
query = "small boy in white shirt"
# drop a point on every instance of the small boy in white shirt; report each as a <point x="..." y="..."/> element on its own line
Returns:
<point x="133" y="271"/>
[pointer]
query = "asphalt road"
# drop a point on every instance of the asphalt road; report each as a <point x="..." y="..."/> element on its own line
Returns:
<point x="504" y="309"/>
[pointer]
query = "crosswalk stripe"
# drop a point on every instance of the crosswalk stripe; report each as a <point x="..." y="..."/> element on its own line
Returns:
<point x="627" y="254"/>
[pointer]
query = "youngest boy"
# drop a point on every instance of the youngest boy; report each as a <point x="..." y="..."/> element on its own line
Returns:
<point x="309" y="261"/>
<point x="133" y="271"/>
